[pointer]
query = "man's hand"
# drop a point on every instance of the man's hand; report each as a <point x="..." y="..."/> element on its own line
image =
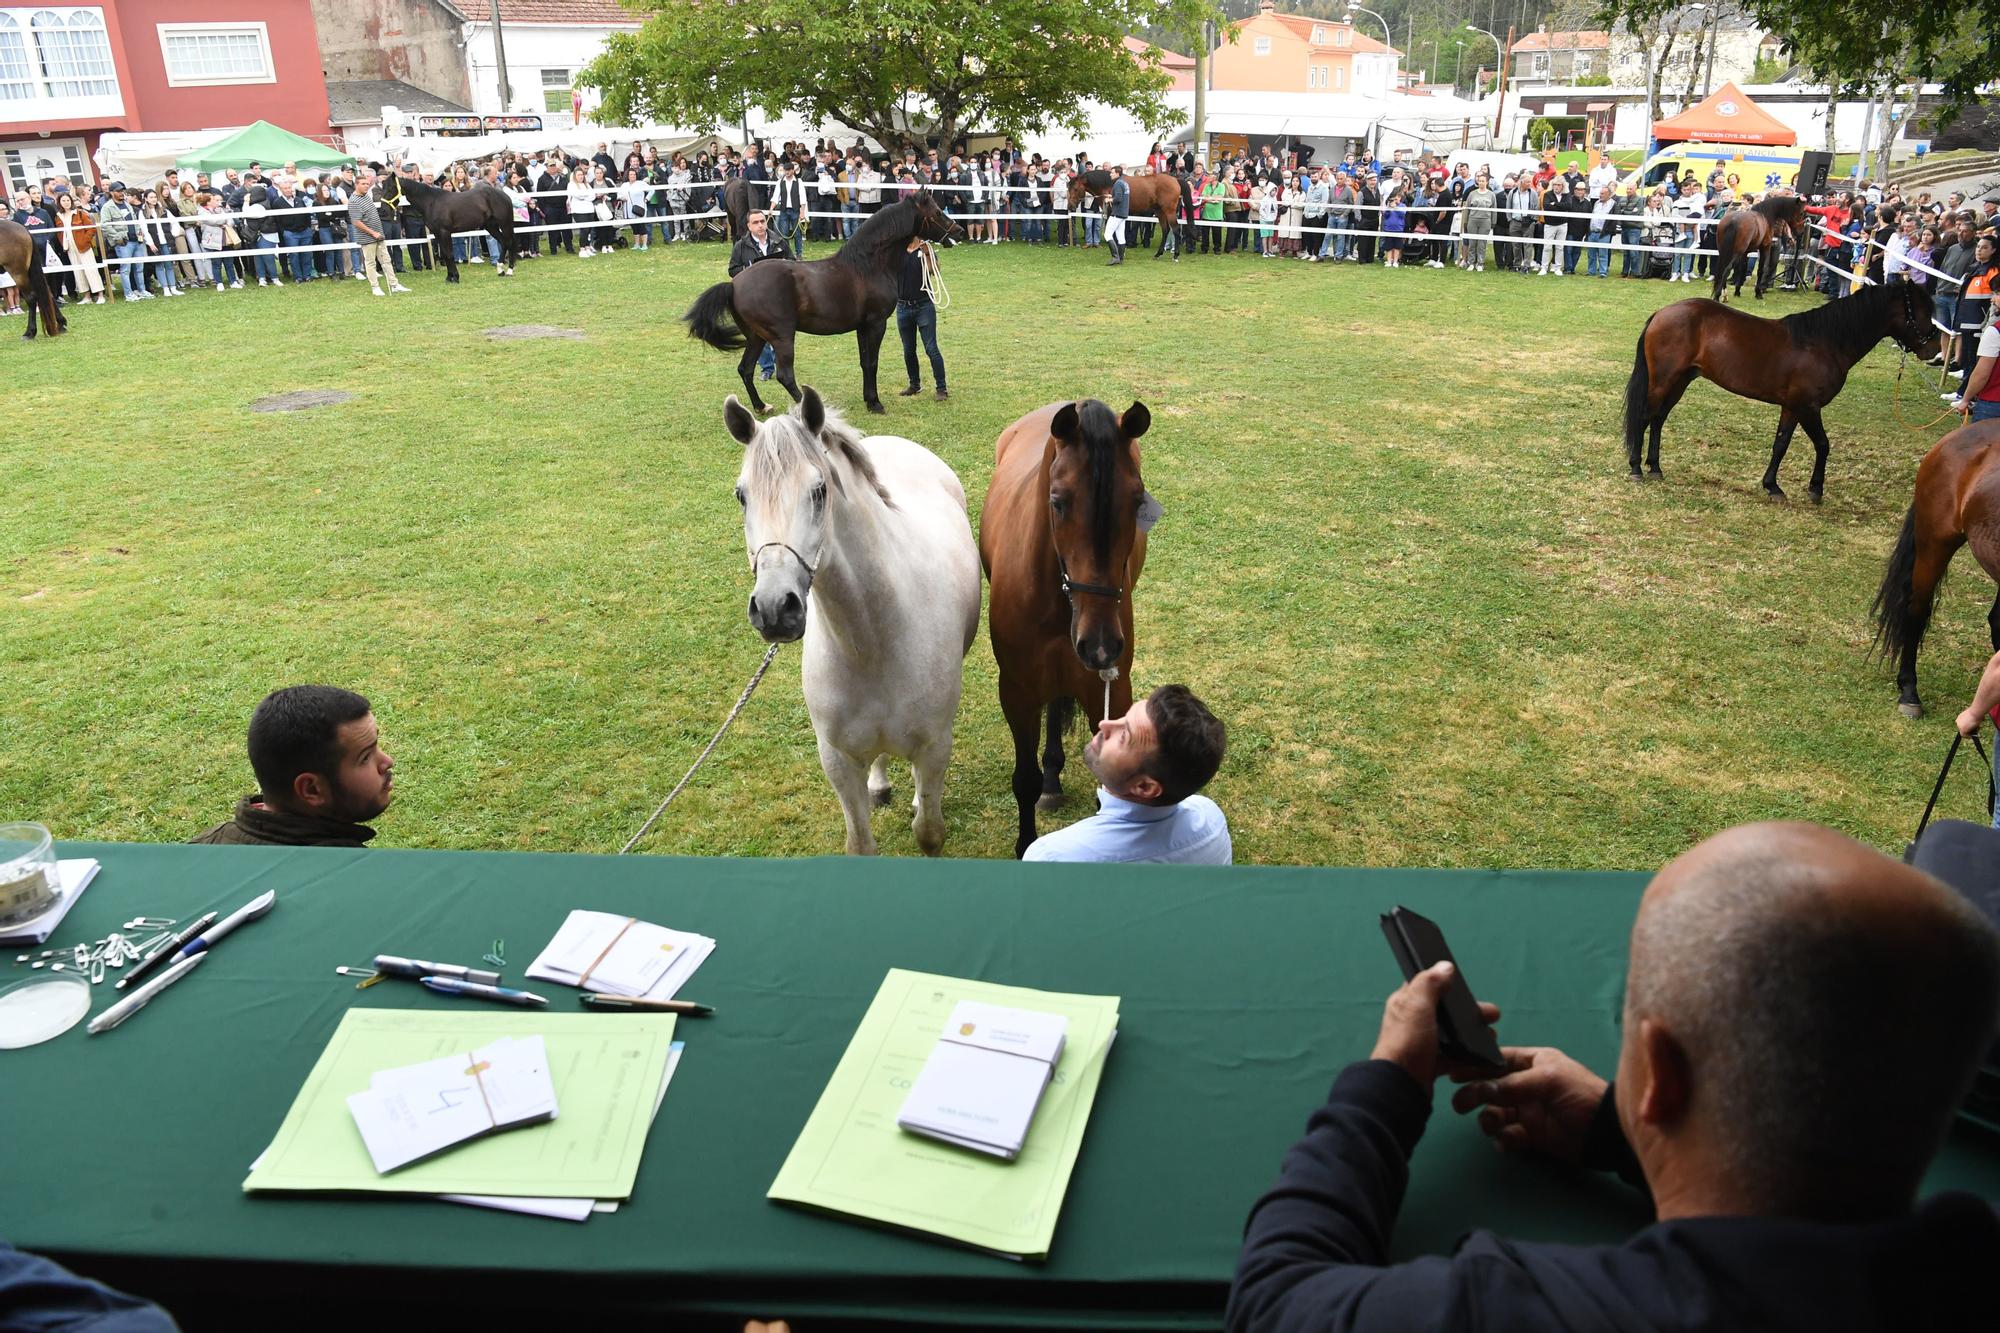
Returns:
<point x="1409" y="1035"/>
<point x="1544" y="1104"/>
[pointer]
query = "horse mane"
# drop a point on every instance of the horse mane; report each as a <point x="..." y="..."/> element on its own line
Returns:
<point x="1096" y="179"/>
<point x="893" y="224"/>
<point x="1779" y="207"/>
<point x="1853" y="323"/>
<point x="784" y="449"/>
<point x="1097" y="429"/>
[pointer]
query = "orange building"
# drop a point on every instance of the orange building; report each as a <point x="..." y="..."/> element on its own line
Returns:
<point x="1178" y="67"/>
<point x="1291" y="53"/>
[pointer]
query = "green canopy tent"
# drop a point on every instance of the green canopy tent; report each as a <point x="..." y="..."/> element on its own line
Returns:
<point x="265" y="143"/>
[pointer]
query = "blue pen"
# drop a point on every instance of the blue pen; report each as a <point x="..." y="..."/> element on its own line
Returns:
<point x="501" y="994"/>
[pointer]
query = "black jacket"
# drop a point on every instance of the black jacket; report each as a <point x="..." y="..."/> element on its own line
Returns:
<point x="1316" y="1251"/>
<point x="746" y="252"/>
<point x="258" y="824"/>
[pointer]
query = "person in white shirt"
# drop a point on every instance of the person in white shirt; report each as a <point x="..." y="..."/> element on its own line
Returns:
<point x="1894" y="268"/>
<point x="581" y="201"/>
<point x="1150" y="766"/>
<point x="1602" y="175"/>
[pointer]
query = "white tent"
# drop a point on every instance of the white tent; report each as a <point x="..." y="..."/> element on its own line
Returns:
<point x="434" y="153"/>
<point x="142" y="159"/>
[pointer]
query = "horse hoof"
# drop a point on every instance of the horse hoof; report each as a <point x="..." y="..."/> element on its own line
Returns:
<point x="1636" y="475"/>
<point x="1817" y="494"/>
<point x="877" y="408"/>
<point x="879" y="795"/>
<point x="1776" y="493"/>
<point x="1653" y="473"/>
<point x="1910" y="709"/>
<point x="1049" y="801"/>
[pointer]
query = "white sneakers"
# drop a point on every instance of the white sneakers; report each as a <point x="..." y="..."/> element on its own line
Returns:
<point x="397" y="287"/>
<point x="236" y="286"/>
<point x="376" y="291"/>
<point x="585" y="253"/>
<point x="477" y="259"/>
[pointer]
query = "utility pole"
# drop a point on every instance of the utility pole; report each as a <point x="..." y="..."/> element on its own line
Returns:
<point x="500" y="58"/>
<point x="1201" y="54"/>
<point x="1500" y="102"/>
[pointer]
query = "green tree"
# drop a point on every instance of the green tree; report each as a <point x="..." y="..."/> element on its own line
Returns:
<point x="1864" y="44"/>
<point x="882" y="67"/>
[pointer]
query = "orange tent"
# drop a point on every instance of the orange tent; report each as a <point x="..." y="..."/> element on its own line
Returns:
<point x="1725" y="116"/>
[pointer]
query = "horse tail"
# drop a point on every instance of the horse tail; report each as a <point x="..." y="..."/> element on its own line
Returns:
<point x="1638" y="397"/>
<point x="1898" y="628"/>
<point x="712" y="318"/>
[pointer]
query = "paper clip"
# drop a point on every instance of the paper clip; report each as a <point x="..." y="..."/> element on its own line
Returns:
<point x="150" y="922"/>
<point x="498" y="954"/>
<point x="369" y="975"/>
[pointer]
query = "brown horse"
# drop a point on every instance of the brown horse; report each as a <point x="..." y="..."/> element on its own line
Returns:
<point x="1799" y="362"/>
<point x="1957" y="500"/>
<point x="1062" y="537"/>
<point x="1755" y="231"/>
<point x="852" y="292"/>
<point x="21" y="258"/>
<point x="1157" y="195"/>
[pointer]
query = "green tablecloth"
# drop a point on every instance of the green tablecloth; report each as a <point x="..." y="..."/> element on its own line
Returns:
<point x="1244" y="991"/>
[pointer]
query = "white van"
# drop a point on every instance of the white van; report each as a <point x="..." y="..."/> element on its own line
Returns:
<point x="1759" y="167"/>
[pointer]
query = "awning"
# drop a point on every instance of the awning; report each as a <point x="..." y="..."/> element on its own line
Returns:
<point x="1725" y="116"/>
<point x="263" y="143"/>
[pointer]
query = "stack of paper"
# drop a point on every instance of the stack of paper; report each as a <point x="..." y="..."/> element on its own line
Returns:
<point x="76" y="876"/>
<point x="980" y="1086"/>
<point x="852" y="1159"/>
<point x="607" y="1077"/>
<point x="620" y="955"/>
<point x="420" y="1110"/>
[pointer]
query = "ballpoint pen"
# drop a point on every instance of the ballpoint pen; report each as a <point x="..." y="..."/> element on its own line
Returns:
<point x="214" y="934"/>
<point x="389" y="965"/>
<point x="498" y="994"/>
<point x="688" y="1007"/>
<point x="138" y="999"/>
<point x="165" y="953"/>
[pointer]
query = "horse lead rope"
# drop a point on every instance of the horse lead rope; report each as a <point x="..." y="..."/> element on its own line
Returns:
<point x="741" y="700"/>
<point x="934" y="277"/>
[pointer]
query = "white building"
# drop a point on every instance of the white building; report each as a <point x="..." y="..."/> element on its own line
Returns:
<point x="1684" y="45"/>
<point x="547" y="42"/>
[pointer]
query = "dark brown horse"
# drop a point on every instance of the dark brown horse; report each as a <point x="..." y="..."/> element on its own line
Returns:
<point x="447" y="212"/>
<point x="1062" y="537"/>
<point x="1799" y="362"/>
<point x="21" y="259"/>
<point x="1755" y="231"/>
<point x="853" y="292"/>
<point x="736" y="203"/>
<point x="1158" y="196"/>
<point x="1957" y="500"/>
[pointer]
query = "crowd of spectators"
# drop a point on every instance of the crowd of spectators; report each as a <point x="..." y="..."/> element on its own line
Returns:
<point x="194" y="231"/>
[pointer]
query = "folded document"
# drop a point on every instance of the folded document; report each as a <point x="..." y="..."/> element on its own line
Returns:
<point x="620" y="955"/>
<point x="981" y="1084"/>
<point x="418" y="1111"/>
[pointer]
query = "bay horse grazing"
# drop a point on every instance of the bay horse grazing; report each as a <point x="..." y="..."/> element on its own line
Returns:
<point x="854" y="291"/>
<point x="1158" y="195"/>
<point x="1754" y="231"/>
<point x="447" y="212"/>
<point x="21" y="258"/>
<point x="862" y="547"/>
<point x="1799" y="362"/>
<point x="1062" y="537"/>
<point x="1957" y="501"/>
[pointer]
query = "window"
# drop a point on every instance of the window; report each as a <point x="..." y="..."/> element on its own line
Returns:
<point x="1319" y="35"/>
<point x="1539" y="63"/>
<point x="1262" y="46"/>
<point x="1339" y="77"/>
<point x="17" y="73"/>
<point x="555" y="90"/>
<point x="31" y="163"/>
<point x="1582" y="65"/>
<point x="208" y="54"/>
<point x="75" y="56"/>
<point x="1343" y="36"/>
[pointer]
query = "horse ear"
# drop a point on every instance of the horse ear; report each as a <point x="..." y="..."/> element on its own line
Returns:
<point x="1133" y="424"/>
<point x="811" y="410"/>
<point x="1063" y="426"/>
<point x="742" y="426"/>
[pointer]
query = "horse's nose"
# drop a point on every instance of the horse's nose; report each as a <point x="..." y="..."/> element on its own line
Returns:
<point x="780" y="619"/>
<point x="1100" y="651"/>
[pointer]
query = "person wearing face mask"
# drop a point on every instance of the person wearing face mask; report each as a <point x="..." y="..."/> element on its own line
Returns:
<point x="1150" y="767"/>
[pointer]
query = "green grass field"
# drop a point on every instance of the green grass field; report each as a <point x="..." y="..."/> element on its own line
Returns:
<point x="1400" y="559"/>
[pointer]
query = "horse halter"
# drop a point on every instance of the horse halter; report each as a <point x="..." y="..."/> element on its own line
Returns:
<point x="1071" y="587"/>
<point x="811" y="567"/>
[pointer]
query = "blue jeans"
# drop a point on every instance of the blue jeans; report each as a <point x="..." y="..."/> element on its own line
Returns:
<point x="1600" y="257"/>
<point x="1337" y="229"/>
<point x="299" y="263"/>
<point x="789" y="236"/>
<point x="130" y="271"/>
<point x="850" y="218"/>
<point x="1632" y="261"/>
<point x="1684" y="260"/>
<point x="168" y="282"/>
<point x="266" y="258"/>
<point x="768" y="361"/>
<point x="913" y="319"/>
<point x="1984" y="411"/>
<point x="1093" y="224"/>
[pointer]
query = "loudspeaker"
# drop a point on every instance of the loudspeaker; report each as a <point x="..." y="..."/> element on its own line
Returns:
<point x="1814" y="168"/>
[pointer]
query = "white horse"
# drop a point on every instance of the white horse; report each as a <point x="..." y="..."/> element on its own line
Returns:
<point x="862" y="547"/>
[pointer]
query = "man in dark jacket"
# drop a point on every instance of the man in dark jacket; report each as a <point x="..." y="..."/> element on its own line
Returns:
<point x="319" y="760"/>
<point x="1802" y="1018"/>
<point x="754" y="246"/>
<point x="550" y="185"/>
<point x="1117" y="207"/>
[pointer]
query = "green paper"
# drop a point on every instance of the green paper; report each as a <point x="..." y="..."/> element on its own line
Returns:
<point x="851" y="1158"/>
<point x="606" y="1070"/>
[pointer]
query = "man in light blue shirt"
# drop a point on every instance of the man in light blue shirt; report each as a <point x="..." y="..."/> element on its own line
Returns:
<point x="1149" y="766"/>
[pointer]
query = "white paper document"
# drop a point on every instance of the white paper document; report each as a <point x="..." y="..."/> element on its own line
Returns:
<point x="982" y="1081"/>
<point x="418" y="1111"/>
<point x="75" y="876"/>
<point x="620" y="955"/>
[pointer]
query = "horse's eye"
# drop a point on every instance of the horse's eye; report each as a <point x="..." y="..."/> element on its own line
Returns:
<point x="1059" y="505"/>
<point x="740" y="499"/>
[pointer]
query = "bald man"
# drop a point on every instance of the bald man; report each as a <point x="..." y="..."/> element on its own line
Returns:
<point x="1802" y="1018"/>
